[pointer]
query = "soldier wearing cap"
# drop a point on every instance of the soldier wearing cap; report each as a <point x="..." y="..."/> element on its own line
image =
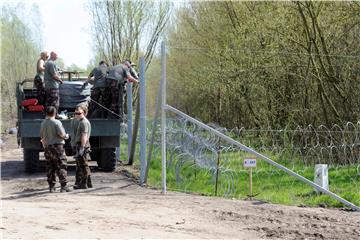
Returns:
<point x="52" y="80"/>
<point x="39" y="77"/>
<point x="98" y="78"/>
<point x="53" y="138"/>
<point x="115" y="82"/>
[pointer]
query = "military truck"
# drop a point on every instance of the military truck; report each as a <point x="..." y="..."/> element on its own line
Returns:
<point x="105" y="133"/>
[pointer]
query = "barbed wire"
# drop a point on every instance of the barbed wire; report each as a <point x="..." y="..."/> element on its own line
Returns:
<point x="195" y="154"/>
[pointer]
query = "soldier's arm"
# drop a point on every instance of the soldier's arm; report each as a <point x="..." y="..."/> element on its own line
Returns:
<point x="61" y="132"/>
<point x="84" y="134"/>
<point x="41" y="66"/>
<point x="84" y="138"/>
<point x="57" y="78"/>
<point x="54" y="74"/>
<point x="132" y="79"/>
<point x="42" y="140"/>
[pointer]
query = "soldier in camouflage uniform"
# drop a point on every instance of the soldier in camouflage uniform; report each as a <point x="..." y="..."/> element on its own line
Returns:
<point x="53" y="138"/>
<point x="74" y="126"/>
<point x="39" y="78"/>
<point x="115" y="82"/>
<point x="52" y="81"/>
<point x="82" y="134"/>
<point x="98" y="75"/>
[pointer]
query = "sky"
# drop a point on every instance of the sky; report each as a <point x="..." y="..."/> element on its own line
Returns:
<point x="66" y="29"/>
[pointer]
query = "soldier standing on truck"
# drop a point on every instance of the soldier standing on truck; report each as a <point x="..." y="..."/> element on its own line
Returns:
<point x="53" y="138"/>
<point x="98" y="75"/>
<point x="52" y="80"/>
<point x="39" y="78"/>
<point x="115" y="82"/>
<point x="81" y="136"/>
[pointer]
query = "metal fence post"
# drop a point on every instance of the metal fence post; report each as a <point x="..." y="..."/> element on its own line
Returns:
<point x="163" y="117"/>
<point x="142" y="121"/>
<point x="129" y="116"/>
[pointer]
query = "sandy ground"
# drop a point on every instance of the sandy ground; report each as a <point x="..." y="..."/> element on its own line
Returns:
<point x="118" y="208"/>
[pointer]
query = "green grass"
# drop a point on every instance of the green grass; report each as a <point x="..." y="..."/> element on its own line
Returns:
<point x="269" y="184"/>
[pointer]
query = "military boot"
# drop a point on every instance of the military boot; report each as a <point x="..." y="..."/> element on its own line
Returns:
<point x="81" y="185"/>
<point x="65" y="188"/>
<point x="77" y="180"/>
<point x="52" y="188"/>
<point x="88" y="182"/>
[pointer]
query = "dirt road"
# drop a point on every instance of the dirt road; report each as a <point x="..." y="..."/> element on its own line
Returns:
<point x="118" y="208"/>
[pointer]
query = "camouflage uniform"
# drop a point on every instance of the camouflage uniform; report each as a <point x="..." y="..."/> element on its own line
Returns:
<point x="53" y="98"/>
<point x="56" y="164"/>
<point x="115" y="85"/>
<point x="98" y="91"/>
<point x="82" y="167"/>
<point x="39" y="85"/>
<point x="51" y="85"/>
<point x="98" y="95"/>
<point x="74" y="127"/>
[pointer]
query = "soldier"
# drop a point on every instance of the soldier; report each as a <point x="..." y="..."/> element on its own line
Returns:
<point x="39" y="78"/>
<point x="98" y="75"/>
<point x="74" y="125"/>
<point x="52" y="81"/>
<point x="53" y="138"/>
<point x="115" y="82"/>
<point x="81" y="137"/>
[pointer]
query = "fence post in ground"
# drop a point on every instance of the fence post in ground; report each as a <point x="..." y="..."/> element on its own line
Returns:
<point x="217" y="172"/>
<point x="163" y="117"/>
<point x="142" y="121"/>
<point x="129" y="116"/>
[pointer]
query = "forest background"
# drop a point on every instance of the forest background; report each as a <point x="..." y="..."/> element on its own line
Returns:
<point x="236" y="64"/>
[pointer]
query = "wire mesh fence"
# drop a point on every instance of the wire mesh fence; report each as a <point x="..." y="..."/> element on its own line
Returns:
<point x="237" y="94"/>
<point x="201" y="162"/>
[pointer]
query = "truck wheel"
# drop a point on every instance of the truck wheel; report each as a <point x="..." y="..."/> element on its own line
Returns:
<point x="31" y="160"/>
<point x="108" y="159"/>
<point x="95" y="155"/>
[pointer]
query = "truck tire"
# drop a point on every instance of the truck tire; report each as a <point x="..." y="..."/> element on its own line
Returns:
<point x="95" y="155"/>
<point x="31" y="160"/>
<point x="108" y="159"/>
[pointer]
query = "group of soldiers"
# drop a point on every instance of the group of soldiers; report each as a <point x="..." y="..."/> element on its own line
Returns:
<point x="108" y="88"/>
<point x="53" y="138"/>
<point x="107" y="93"/>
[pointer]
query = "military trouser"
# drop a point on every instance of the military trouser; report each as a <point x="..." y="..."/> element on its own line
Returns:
<point x="53" y="98"/>
<point x="56" y="164"/>
<point x="39" y="85"/>
<point x="116" y="98"/>
<point x="82" y="167"/>
<point x="98" y="95"/>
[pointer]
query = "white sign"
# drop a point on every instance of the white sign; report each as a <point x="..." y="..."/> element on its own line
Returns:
<point x="250" y="163"/>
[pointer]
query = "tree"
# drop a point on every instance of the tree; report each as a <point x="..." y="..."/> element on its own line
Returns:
<point x="19" y="52"/>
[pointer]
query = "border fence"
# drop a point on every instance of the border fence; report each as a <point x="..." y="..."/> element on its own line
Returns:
<point x="184" y="154"/>
<point x="193" y="152"/>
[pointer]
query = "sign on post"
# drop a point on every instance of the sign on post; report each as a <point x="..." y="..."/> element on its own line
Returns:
<point x="250" y="163"/>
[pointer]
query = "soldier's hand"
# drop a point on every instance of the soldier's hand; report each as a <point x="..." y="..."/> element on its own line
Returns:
<point x="66" y="136"/>
<point x="81" y="151"/>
